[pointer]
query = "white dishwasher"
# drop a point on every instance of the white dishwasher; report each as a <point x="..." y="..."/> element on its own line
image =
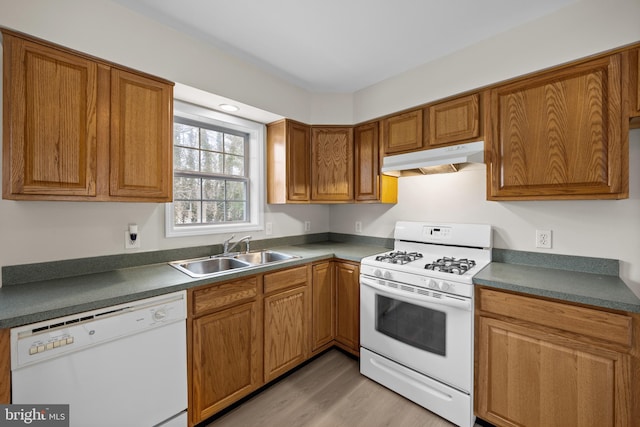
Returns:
<point x="123" y="365"/>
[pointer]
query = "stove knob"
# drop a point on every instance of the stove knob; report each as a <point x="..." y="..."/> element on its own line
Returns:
<point x="377" y="272"/>
<point x="432" y="284"/>
<point x="387" y="275"/>
<point x="444" y="286"/>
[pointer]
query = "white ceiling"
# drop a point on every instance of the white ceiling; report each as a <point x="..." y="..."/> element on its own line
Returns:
<point x="342" y="46"/>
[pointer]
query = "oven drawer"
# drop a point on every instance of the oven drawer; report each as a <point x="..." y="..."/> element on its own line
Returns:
<point x="602" y="325"/>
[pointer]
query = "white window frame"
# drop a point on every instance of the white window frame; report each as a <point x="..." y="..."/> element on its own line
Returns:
<point x="256" y="132"/>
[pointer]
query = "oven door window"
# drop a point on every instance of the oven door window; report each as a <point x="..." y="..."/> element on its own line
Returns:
<point x="417" y="326"/>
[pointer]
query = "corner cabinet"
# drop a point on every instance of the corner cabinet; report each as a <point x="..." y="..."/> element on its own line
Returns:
<point x="79" y="128"/>
<point x="288" y="162"/>
<point x="225" y="343"/>
<point x="561" y="134"/>
<point x="332" y="163"/>
<point x="548" y="363"/>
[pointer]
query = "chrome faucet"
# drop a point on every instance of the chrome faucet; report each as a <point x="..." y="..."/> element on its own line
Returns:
<point x="226" y="248"/>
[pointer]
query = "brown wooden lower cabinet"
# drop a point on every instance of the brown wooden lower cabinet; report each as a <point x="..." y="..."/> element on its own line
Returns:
<point x="5" y="366"/>
<point x="286" y="320"/>
<point x="548" y="363"/>
<point x="225" y="345"/>
<point x="323" y="303"/>
<point x="348" y="306"/>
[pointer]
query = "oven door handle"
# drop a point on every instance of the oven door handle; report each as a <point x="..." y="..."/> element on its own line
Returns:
<point x="459" y="303"/>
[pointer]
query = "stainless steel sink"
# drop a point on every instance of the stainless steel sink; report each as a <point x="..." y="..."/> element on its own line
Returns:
<point x="264" y="257"/>
<point x="209" y="266"/>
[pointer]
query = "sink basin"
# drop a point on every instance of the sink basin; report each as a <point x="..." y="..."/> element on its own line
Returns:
<point x="208" y="266"/>
<point x="211" y="266"/>
<point x="264" y="257"/>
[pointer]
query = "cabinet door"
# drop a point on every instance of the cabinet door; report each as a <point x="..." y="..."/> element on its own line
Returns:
<point x="298" y="157"/>
<point x="560" y="135"/>
<point x="5" y="366"/>
<point x="348" y="306"/>
<point x="530" y="378"/>
<point x="367" y="162"/>
<point x="455" y="120"/>
<point x="226" y="359"/>
<point x="286" y="336"/>
<point x="323" y="298"/>
<point x="50" y="122"/>
<point x="332" y="164"/>
<point x="635" y="87"/>
<point x="402" y="132"/>
<point x="141" y="137"/>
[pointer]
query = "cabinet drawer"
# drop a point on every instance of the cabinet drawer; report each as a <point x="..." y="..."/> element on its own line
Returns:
<point x="587" y="322"/>
<point x="224" y="294"/>
<point x="285" y="279"/>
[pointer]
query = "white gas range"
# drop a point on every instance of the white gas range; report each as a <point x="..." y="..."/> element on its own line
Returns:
<point x="416" y="314"/>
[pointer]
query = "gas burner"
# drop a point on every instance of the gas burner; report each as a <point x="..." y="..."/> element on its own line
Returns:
<point x="399" y="257"/>
<point x="451" y="265"/>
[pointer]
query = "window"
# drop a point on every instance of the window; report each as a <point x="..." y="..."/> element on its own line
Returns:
<point x="217" y="167"/>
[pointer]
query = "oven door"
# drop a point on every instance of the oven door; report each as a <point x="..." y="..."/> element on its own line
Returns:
<point x="431" y="333"/>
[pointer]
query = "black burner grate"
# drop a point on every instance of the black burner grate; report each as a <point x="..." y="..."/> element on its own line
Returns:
<point x="451" y="265"/>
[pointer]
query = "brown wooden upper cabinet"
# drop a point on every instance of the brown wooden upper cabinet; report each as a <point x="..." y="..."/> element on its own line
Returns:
<point x="402" y="132"/>
<point x="332" y="163"/>
<point x="79" y="128"/>
<point x="635" y="87"/>
<point x="370" y="184"/>
<point x="288" y="162"/>
<point x="453" y="121"/>
<point x="560" y="134"/>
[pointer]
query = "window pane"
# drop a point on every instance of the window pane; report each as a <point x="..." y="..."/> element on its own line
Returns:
<point x="213" y="211"/>
<point x="234" y="144"/>
<point x="185" y="135"/>
<point x="236" y="190"/>
<point x="233" y="165"/>
<point x="186" y="212"/>
<point x="186" y="188"/>
<point x="185" y="159"/>
<point x="236" y="211"/>
<point x="212" y="140"/>
<point x="212" y="162"/>
<point x="213" y="189"/>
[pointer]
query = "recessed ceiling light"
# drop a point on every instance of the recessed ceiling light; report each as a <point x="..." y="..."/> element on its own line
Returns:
<point x="229" y="107"/>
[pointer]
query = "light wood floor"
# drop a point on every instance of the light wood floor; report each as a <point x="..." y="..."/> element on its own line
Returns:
<point x="329" y="392"/>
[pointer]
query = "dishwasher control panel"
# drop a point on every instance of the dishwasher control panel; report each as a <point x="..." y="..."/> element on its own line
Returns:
<point x="53" y="338"/>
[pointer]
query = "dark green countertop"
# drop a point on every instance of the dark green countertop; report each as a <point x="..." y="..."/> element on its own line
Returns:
<point x="600" y="290"/>
<point x="47" y="299"/>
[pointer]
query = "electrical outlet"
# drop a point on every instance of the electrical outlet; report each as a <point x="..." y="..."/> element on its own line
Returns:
<point x="268" y="229"/>
<point x="543" y="239"/>
<point x="307" y="226"/>
<point x="358" y="226"/>
<point x="131" y="244"/>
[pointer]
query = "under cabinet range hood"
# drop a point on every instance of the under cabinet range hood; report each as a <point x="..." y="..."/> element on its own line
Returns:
<point x="436" y="160"/>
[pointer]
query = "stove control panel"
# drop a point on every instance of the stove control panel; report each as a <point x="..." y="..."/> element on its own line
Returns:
<point x="439" y="233"/>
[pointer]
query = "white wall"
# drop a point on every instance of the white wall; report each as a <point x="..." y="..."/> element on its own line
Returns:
<point x="584" y="28"/>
